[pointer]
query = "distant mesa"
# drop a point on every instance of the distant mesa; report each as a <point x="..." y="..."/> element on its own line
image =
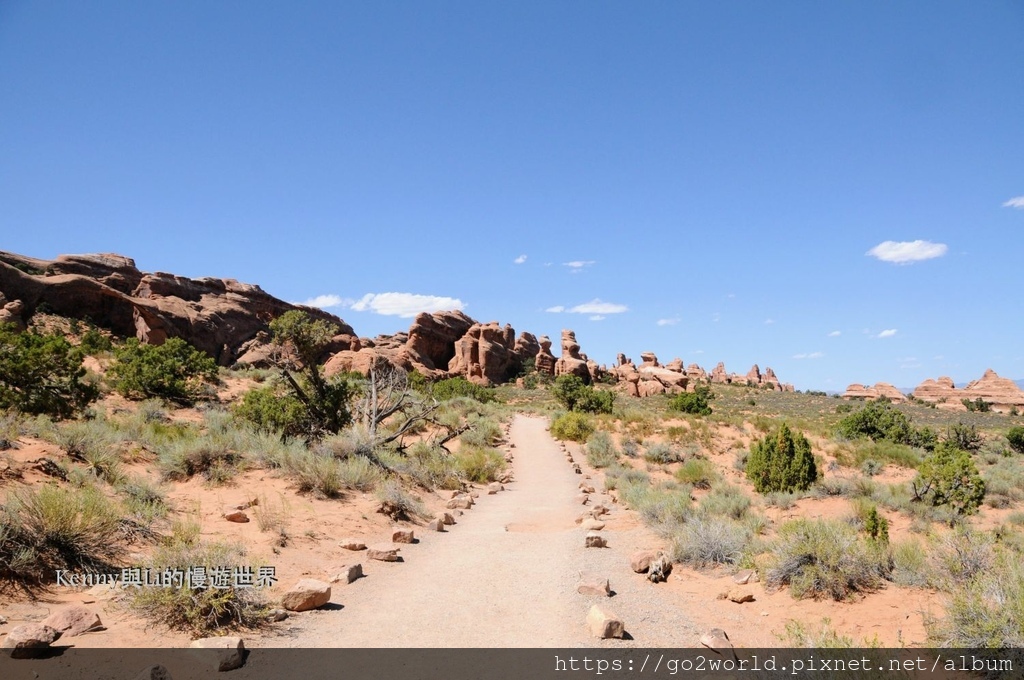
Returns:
<point x="230" y="321"/>
<point x="1001" y="393"/>
<point x="877" y="391"/>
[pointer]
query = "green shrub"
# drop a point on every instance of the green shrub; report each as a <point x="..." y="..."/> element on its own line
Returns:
<point x="478" y="464"/>
<point x="707" y="541"/>
<point x="964" y="437"/>
<point x="42" y="374"/>
<point x="782" y="461"/>
<point x="699" y="473"/>
<point x="696" y="402"/>
<point x="979" y="405"/>
<point x="573" y="426"/>
<point x="316" y="473"/>
<point x="601" y="451"/>
<point x="960" y="556"/>
<point x="825" y="558"/>
<point x="200" y="611"/>
<point x="452" y="388"/>
<point x="175" y="371"/>
<point x="94" y="342"/>
<point x="483" y="432"/>
<point x="948" y="476"/>
<point x="1016" y="439"/>
<point x="880" y="420"/>
<point x="272" y="410"/>
<point x="571" y="392"/>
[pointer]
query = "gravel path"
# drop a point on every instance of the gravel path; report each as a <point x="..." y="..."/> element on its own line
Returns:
<point x="504" y="576"/>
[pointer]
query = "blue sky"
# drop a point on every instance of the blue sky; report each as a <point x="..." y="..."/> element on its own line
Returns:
<point x="833" y="189"/>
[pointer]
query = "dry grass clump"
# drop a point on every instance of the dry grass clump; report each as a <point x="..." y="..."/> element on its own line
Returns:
<point x="601" y="451"/>
<point x="709" y="540"/>
<point x="826" y="558"/>
<point x="201" y="610"/>
<point x="397" y="503"/>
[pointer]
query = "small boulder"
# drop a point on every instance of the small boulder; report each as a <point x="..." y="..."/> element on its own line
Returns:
<point x="73" y="621"/>
<point x="582" y="499"/>
<point x="29" y="640"/>
<point x="435" y="525"/>
<point x="740" y="594"/>
<point x="460" y="502"/>
<point x="592" y="585"/>
<point x="275" y="615"/>
<point x="595" y="540"/>
<point x="604" y="624"/>
<point x="640" y="561"/>
<point x="716" y="640"/>
<point x="222" y="653"/>
<point x="348" y="574"/>
<point x="352" y="544"/>
<point x="235" y="515"/>
<point x="383" y="553"/>
<point x="155" y="672"/>
<point x="659" y="569"/>
<point x="403" y="536"/>
<point x="744" y="577"/>
<point x="494" y="487"/>
<point x="592" y="524"/>
<point x="586" y="488"/>
<point x="306" y="594"/>
<point x="446" y="518"/>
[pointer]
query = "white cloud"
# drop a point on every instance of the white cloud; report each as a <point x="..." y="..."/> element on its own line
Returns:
<point x="669" y="322"/>
<point x="405" y="305"/>
<point x="812" y="355"/>
<point x="576" y="266"/>
<point x="887" y="333"/>
<point x="905" y="252"/>
<point x="1015" y="202"/>
<point x="519" y="260"/>
<point x="769" y="322"/>
<point x="716" y="316"/>
<point x="698" y="351"/>
<point x="835" y="334"/>
<point x="326" y="301"/>
<point x="556" y="309"/>
<point x="596" y="306"/>
<point x="598" y="317"/>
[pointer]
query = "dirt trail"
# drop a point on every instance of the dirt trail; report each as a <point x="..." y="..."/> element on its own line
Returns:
<point x="504" y="576"/>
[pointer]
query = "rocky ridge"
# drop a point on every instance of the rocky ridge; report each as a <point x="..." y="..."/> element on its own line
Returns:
<point x="1001" y="393"/>
<point x="230" y="321"/>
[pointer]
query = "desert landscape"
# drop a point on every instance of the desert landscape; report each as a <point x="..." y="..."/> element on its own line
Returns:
<point x="342" y="491"/>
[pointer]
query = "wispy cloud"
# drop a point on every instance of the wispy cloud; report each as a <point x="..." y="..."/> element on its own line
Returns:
<point x="598" y="317"/>
<point x="811" y="355"/>
<point x="769" y="322"/>
<point x="1015" y="202"/>
<point x="887" y="333"/>
<point x="595" y="307"/>
<point x="519" y="260"/>
<point x="669" y="322"/>
<point x="698" y="351"/>
<point x="326" y="301"/>
<point x="576" y="266"/>
<point x="405" y="304"/>
<point x="907" y="252"/>
<point x="835" y="334"/>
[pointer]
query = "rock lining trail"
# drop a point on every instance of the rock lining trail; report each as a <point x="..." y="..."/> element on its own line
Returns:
<point x="504" y="576"/>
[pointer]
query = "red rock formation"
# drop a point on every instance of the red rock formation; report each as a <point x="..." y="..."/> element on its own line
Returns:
<point x="1002" y="393"/>
<point x="484" y="355"/>
<point x="676" y="365"/>
<point x="571" y="363"/>
<point x="718" y="374"/>
<point x="858" y="391"/>
<point x="545" y="360"/>
<point x="217" y="316"/>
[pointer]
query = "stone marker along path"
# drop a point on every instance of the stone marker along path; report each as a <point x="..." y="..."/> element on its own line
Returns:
<point x="505" y="575"/>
